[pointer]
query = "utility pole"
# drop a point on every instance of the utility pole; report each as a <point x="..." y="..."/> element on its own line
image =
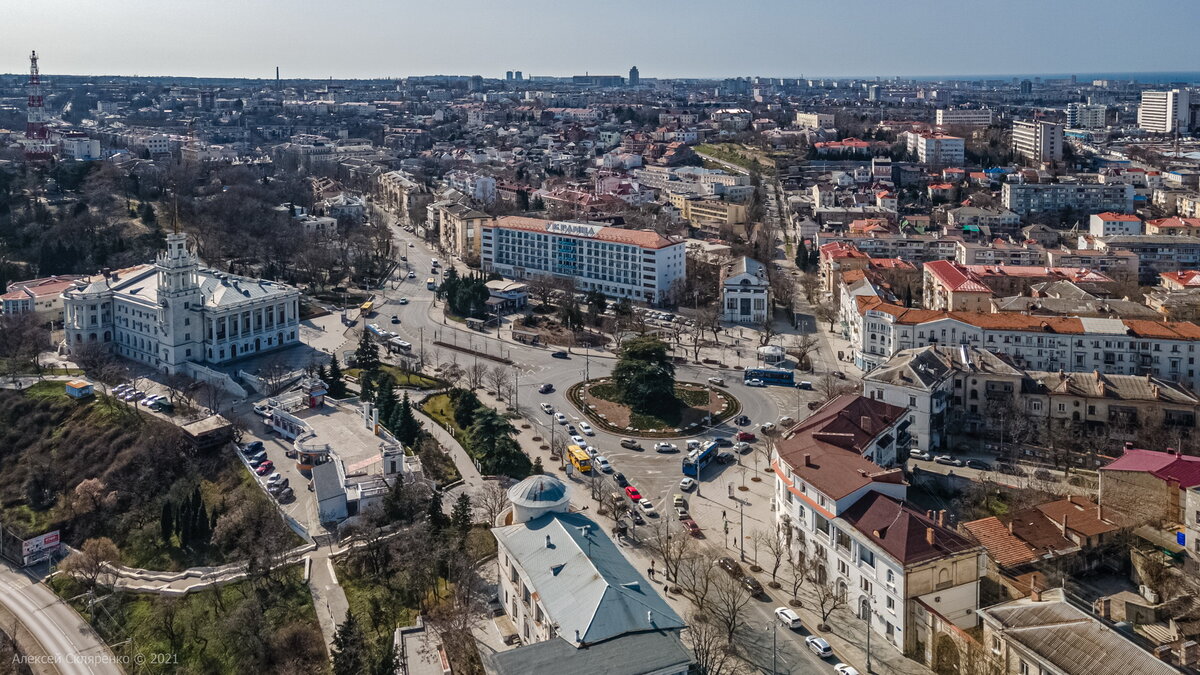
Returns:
<point x="774" y="628"/>
<point x="741" y="530"/>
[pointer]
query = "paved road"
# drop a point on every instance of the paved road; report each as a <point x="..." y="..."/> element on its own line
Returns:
<point x="64" y="636"/>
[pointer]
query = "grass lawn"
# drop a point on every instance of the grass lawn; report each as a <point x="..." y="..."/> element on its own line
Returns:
<point x="261" y="626"/>
<point x="380" y="608"/>
<point x="403" y="379"/>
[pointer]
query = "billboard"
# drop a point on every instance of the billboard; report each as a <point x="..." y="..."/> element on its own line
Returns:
<point x="39" y="548"/>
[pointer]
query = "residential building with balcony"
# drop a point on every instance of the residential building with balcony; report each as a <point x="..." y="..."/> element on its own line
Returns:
<point x="1031" y="198"/>
<point x="963" y="117"/>
<point x="1164" y="112"/>
<point x="1156" y="254"/>
<point x="936" y="149"/>
<point x="847" y="514"/>
<point x="1037" y="142"/>
<point x="42" y="297"/>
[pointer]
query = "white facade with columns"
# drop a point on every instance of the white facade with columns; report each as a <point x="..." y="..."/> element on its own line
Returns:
<point x="175" y="311"/>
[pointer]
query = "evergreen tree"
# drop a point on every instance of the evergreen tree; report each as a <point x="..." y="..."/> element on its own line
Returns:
<point x="336" y="383"/>
<point x="366" y="356"/>
<point x="349" y="648"/>
<point x="385" y="398"/>
<point x="322" y="374"/>
<point x="183" y="523"/>
<point x="802" y="256"/>
<point x="407" y="428"/>
<point x="147" y="214"/>
<point x="167" y="522"/>
<point x="200" y="531"/>
<point x="538" y="469"/>
<point x="437" y="518"/>
<point x="460" y="515"/>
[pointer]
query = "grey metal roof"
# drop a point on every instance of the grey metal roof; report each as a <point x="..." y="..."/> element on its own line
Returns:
<point x="649" y="652"/>
<point x="1069" y="639"/>
<point x="588" y="589"/>
<point x="538" y="490"/>
<point x="326" y="482"/>
<point x="1103" y="326"/>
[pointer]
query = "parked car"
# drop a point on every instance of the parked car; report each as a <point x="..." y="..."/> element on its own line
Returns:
<point x="681" y="513"/>
<point x="767" y="427"/>
<point x="547" y="408"/>
<point x="637" y="517"/>
<point x="152" y="399"/>
<point x="755" y="382"/>
<point x="691" y="527"/>
<point x="678" y="500"/>
<point x="261" y="409"/>
<point x="805" y="384"/>
<point x="726" y="458"/>
<point x="602" y="463"/>
<point x="742" y="447"/>
<point x="787" y="617"/>
<point x="546" y="388"/>
<point x="586" y="429"/>
<point x="746" y="436"/>
<point x="648" y="508"/>
<point x="723" y="442"/>
<point x="818" y="646"/>
<point x="258" y="458"/>
<point x="620" y="479"/>
<point x="666" y="447"/>
<point x="278" y="487"/>
<point x="786" y="421"/>
<point x="560" y="355"/>
<point x="1011" y="469"/>
<point x="578" y="440"/>
<point x="632" y="493"/>
<point x="978" y="464"/>
<point x="412" y="275"/>
<point x="845" y="669"/>
<point x="948" y="460"/>
<point x="717" y="381"/>
<point x="286" y="495"/>
<point x="274" y="478"/>
<point x="735" y="570"/>
<point x="630" y="444"/>
<point x="687" y="483"/>
<point x="395" y="319"/>
<point x="252" y="448"/>
<point x="560" y="418"/>
<point x="920" y="454"/>
<point x="265" y="468"/>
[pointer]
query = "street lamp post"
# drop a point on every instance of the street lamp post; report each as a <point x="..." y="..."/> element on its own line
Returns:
<point x="867" y="618"/>
<point x="774" y="628"/>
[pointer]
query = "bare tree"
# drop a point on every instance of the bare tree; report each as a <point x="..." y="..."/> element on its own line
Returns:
<point x="810" y="283"/>
<point x="91" y="561"/>
<point x="475" y="374"/>
<point x="274" y="374"/>
<point x="492" y="500"/>
<point x="671" y="546"/>
<point x="766" y="329"/>
<point x="615" y="504"/>
<point x="827" y="313"/>
<point x="776" y="548"/>
<point x="499" y="378"/>
<point x="802" y="346"/>
<point x="695" y="580"/>
<point x="712" y="651"/>
<point x="829" y="595"/>
<point x="727" y="605"/>
<point x="830" y="387"/>
<point x="542" y="287"/>
<point x="455" y="616"/>
<point x="798" y="570"/>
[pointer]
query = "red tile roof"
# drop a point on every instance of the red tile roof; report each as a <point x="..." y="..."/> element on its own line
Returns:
<point x="1169" y="466"/>
<point x="1109" y="215"/>
<point x="1187" y="278"/>
<point x="903" y="531"/>
<point x="955" y="277"/>
<point x="1003" y="546"/>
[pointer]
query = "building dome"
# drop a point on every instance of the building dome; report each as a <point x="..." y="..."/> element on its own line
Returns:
<point x="538" y="495"/>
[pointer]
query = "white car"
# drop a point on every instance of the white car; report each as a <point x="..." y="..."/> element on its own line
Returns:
<point x="403" y="301"/>
<point x="579" y="440"/>
<point x="717" y="381"/>
<point x="274" y="478"/>
<point x="948" y="460"/>
<point x="666" y="447"/>
<point x="412" y="275"/>
<point x="560" y="418"/>
<point x="602" y="463"/>
<point x="687" y="484"/>
<point x="586" y="429"/>
<point x="547" y="408"/>
<point x="845" y="669"/>
<point x="755" y="383"/>
<point x="818" y="646"/>
<point x="152" y="399"/>
<point x="261" y="409"/>
<point x="647" y="508"/>
<point x="591" y="451"/>
<point x="787" y="617"/>
<point x="767" y="427"/>
<point x="920" y="454"/>
<point x="121" y="389"/>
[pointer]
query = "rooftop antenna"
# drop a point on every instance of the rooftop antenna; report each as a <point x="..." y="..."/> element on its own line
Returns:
<point x="175" y="213"/>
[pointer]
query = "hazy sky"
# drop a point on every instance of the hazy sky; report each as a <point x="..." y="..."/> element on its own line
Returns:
<point x="664" y="38"/>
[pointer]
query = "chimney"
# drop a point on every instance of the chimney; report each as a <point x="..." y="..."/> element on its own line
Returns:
<point x="1065" y="523"/>
<point x="941" y="519"/>
<point x="807" y="459"/>
<point x="929" y="514"/>
<point x="548" y="544"/>
<point x="929" y="536"/>
<point x="1010" y="527"/>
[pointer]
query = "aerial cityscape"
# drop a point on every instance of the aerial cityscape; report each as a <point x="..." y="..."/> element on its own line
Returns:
<point x="599" y="360"/>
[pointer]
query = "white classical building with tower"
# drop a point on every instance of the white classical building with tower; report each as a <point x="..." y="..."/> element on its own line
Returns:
<point x="176" y="312"/>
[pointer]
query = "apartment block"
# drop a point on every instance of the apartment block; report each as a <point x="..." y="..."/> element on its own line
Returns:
<point x="937" y="149"/>
<point x="1085" y="116"/>
<point x="963" y="118"/>
<point x="814" y="120"/>
<point x="1030" y="198"/>
<point x="1164" y="112"/>
<point x="1037" y="142"/>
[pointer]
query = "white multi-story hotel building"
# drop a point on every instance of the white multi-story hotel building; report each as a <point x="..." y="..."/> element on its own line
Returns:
<point x="176" y="312"/>
<point x="893" y="564"/>
<point x="1163" y="112"/>
<point x="635" y="264"/>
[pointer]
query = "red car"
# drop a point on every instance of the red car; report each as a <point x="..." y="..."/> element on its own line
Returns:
<point x="265" y="468"/>
<point x="691" y="527"/>
<point x="632" y="493"/>
<point x="745" y="436"/>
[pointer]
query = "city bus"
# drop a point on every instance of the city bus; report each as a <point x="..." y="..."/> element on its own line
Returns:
<point x="431" y="284"/>
<point x="367" y="309"/>
<point x="579" y="458"/>
<point x="694" y="463"/>
<point x="770" y="376"/>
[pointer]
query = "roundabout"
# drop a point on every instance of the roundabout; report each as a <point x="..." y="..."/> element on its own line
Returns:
<point x="700" y="407"/>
